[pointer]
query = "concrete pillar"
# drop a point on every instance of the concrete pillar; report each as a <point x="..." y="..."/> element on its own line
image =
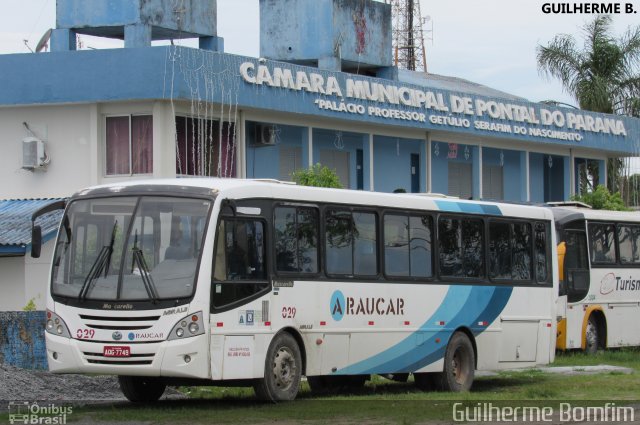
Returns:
<point x="525" y="183"/>
<point x="602" y="172"/>
<point x="241" y="146"/>
<point x="568" y="177"/>
<point x="63" y="40"/>
<point x="367" y="162"/>
<point x="428" y="174"/>
<point x="477" y="172"/>
<point x="307" y="147"/>
<point x="137" y="35"/>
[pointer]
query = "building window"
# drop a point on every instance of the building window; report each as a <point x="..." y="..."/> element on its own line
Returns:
<point x="129" y="145"/>
<point x="205" y="148"/>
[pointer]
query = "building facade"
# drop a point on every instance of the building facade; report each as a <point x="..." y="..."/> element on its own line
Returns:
<point x="324" y="90"/>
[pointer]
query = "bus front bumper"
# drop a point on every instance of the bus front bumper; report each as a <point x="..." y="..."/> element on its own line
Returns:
<point x="183" y="358"/>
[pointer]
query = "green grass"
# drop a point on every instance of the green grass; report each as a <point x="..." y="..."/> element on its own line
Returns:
<point x="383" y="401"/>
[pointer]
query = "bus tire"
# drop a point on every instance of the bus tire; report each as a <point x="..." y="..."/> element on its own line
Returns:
<point x="459" y="365"/>
<point x="282" y="370"/>
<point x="592" y="335"/>
<point x="141" y="389"/>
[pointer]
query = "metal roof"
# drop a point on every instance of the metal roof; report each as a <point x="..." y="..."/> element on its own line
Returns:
<point x="454" y="84"/>
<point x="15" y="223"/>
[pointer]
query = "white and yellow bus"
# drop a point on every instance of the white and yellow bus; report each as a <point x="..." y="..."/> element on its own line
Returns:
<point x="599" y="262"/>
<point x="238" y="282"/>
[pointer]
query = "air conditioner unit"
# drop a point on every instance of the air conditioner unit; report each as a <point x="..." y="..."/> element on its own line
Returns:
<point x="266" y="135"/>
<point x="33" y="154"/>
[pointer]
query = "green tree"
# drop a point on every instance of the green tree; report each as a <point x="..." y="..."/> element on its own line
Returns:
<point x="602" y="199"/>
<point x="603" y="75"/>
<point x="318" y="175"/>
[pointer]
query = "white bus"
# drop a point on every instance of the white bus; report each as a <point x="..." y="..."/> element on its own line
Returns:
<point x="238" y="282"/>
<point x="599" y="263"/>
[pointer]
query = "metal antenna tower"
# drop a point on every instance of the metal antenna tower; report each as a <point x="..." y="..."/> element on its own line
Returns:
<point x="409" y="35"/>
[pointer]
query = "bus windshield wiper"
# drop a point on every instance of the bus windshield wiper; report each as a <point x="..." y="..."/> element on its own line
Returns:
<point x="102" y="262"/>
<point x="140" y="262"/>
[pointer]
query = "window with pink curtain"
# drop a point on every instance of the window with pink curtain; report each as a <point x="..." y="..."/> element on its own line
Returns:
<point x="129" y="145"/>
<point x="204" y="148"/>
<point x="142" y="144"/>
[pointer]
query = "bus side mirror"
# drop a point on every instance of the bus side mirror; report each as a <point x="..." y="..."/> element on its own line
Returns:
<point x="36" y="241"/>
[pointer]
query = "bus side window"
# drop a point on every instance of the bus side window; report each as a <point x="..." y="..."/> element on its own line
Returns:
<point x="628" y="244"/>
<point x="461" y="247"/>
<point x="541" y="243"/>
<point x="296" y="236"/>
<point x="351" y="243"/>
<point x="602" y="243"/>
<point x="407" y="245"/>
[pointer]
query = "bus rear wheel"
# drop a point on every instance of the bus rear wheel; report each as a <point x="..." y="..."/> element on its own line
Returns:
<point x="459" y="365"/>
<point x="141" y="389"/>
<point x="592" y="336"/>
<point x="282" y="371"/>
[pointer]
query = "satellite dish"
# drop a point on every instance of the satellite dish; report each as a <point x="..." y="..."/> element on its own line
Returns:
<point x="44" y="41"/>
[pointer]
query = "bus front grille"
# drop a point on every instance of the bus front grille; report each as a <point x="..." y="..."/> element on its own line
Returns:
<point x="130" y="323"/>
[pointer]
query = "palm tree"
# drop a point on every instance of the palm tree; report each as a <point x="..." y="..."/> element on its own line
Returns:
<point x="603" y="76"/>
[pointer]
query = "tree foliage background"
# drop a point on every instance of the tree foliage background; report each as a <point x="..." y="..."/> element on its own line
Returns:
<point x="318" y="175"/>
<point x="603" y="75"/>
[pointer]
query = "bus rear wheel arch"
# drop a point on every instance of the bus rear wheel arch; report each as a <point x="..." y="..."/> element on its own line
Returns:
<point x="459" y="365"/>
<point x="595" y="332"/>
<point x="282" y="371"/>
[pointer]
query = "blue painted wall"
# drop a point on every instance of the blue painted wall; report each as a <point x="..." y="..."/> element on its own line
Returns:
<point x="95" y="16"/>
<point x="440" y="165"/>
<point x="174" y="72"/>
<point x="536" y="177"/>
<point x="22" y="339"/>
<point x="305" y="31"/>
<point x="346" y="142"/>
<point x="264" y="161"/>
<point x="392" y="163"/>
<point x="512" y="172"/>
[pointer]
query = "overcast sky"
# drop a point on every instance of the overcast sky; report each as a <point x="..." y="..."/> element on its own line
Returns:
<point x="491" y="42"/>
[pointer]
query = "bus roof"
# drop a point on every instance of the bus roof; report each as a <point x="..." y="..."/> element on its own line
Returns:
<point x="566" y="214"/>
<point x="233" y="188"/>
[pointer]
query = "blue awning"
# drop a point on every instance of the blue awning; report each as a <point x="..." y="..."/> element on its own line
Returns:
<point x="15" y="224"/>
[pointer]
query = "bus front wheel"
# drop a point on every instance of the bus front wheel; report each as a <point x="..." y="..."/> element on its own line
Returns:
<point x="459" y="365"/>
<point x="141" y="389"/>
<point x="282" y="372"/>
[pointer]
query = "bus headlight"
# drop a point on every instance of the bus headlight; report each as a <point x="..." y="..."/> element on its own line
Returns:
<point x="56" y="326"/>
<point x="192" y="323"/>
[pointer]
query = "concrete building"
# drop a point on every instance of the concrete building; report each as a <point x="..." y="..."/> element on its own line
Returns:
<point x="324" y="90"/>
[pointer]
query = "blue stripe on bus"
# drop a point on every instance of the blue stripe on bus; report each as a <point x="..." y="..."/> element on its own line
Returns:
<point x="466" y="207"/>
<point x="463" y="306"/>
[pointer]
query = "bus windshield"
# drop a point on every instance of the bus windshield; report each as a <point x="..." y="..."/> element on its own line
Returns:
<point x="129" y="248"/>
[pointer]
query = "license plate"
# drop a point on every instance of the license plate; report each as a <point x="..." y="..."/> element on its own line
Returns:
<point x="117" y="351"/>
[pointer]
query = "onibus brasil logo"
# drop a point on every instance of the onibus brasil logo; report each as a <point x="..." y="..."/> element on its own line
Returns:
<point x="339" y="306"/>
<point x="32" y="413"/>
